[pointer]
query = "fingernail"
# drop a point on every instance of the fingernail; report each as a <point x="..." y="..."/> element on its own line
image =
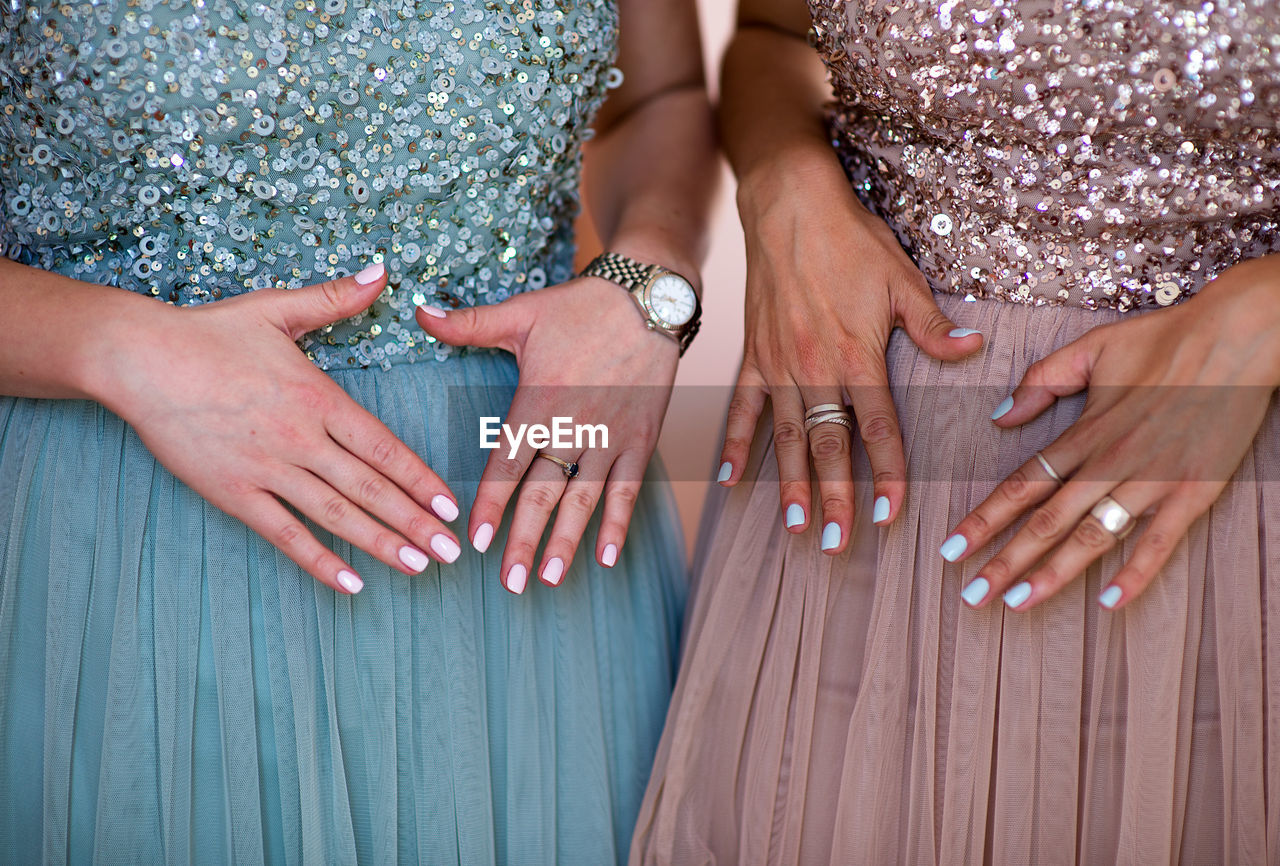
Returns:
<point x="1110" y="597"/>
<point x="795" y="515"/>
<point x="1017" y="594"/>
<point x="831" y="536"/>
<point x="444" y="507"/>
<point x="553" y="571"/>
<point x="484" y="535"/>
<point x="954" y="547"/>
<point x="1003" y="409"/>
<point x="445" y="547"/>
<point x="610" y="555"/>
<point x="880" y="513"/>
<point x="414" y="559"/>
<point x="371" y="274"/>
<point x="957" y="333"/>
<point x="516" y="578"/>
<point x="433" y="311"/>
<point x="976" y="591"/>
<point x="726" y="470"/>
<point x="350" y="581"/>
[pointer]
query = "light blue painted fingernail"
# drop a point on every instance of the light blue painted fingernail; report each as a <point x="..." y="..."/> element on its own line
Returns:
<point x="880" y="513"/>
<point x="976" y="591"/>
<point x="831" y="536"/>
<point x="1003" y="409"/>
<point x="795" y="515"/>
<point x="1110" y="597"/>
<point x="957" y="333"/>
<point x="1017" y="594"/>
<point x="726" y="470"/>
<point x="954" y="547"/>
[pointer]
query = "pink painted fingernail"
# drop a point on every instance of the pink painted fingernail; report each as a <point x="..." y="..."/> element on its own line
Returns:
<point x="350" y="581"/>
<point x="516" y="578"/>
<point x="414" y="559"/>
<point x="610" y="556"/>
<point x="483" y="537"/>
<point x="553" y="572"/>
<point x="433" y="311"/>
<point x="444" y="507"/>
<point x="371" y="274"/>
<point x="445" y="547"/>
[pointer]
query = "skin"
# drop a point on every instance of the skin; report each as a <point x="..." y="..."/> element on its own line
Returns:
<point x="224" y="399"/>
<point x="650" y="178"/>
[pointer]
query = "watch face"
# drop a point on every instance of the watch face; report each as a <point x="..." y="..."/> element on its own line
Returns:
<point x="672" y="299"/>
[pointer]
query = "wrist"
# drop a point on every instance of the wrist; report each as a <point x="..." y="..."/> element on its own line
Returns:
<point x="656" y="246"/>
<point x="791" y="177"/>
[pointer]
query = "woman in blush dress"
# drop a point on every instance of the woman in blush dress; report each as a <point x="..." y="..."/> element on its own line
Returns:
<point x="174" y="684"/>
<point x="950" y="647"/>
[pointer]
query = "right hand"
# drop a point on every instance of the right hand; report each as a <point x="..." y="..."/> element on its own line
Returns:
<point x="224" y="398"/>
<point x="827" y="282"/>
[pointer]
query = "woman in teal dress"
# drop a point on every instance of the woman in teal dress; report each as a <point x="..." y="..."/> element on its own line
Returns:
<point x="218" y="221"/>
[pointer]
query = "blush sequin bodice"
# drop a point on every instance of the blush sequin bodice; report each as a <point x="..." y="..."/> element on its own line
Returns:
<point x="1108" y="153"/>
<point x="197" y="149"/>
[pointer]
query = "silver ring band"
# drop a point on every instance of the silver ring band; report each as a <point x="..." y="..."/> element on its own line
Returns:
<point x="832" y="418"/>
<point x="824" y="407"/>
<point x="1049" y="470"/>
<point x="1113" y="516"/>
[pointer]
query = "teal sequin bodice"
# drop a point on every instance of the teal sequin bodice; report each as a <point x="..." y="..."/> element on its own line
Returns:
<point x="197" y="149"/>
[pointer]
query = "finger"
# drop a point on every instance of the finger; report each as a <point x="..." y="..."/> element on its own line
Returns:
<point x="338" y="514"/>
<point x="621" y="493"/>
<point x="791" y="448"/>
<point x="376" y="494"/>
<point x="539" y="495"/>
<point x="829" y="447"/>
<point x="264" y="514"/>
<point x="299" y="311"/>
<point x="577" y="504"/>
<point x="502" y="475"/>
<point x="1065" y="372"/>
<point x="748" y="401"/>
<point x="501" y="326"/>
<point x="927" y="326"/>
<point x="1086" y="543"/>
<point x="877" y="420"/>
<point x="364" y="436"/>
<point x="1154" y="547"/>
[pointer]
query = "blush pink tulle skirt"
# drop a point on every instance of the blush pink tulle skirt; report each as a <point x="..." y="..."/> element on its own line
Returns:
<point x="852" y="710"/>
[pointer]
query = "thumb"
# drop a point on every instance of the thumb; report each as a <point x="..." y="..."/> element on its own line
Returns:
<point x="311" y="307"/>
<point x="929" y="327"/>
<point x="1067" y="371"/>
<point x="501" y="326"/>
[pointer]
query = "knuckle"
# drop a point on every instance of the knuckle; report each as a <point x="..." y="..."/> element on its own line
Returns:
<point x="877" y="429"/>
<point x="420" y="527"/>
<point x="288" y="535"/>
<point x="735" y="445"/>
<point x="372" y="489"/>
<point x="1050" y="576"/>
<point x="578" y="500"/>
<point x="828" y="444"/>
<point x="335" y="509"/>
<point x="1159" y="542"/>
<point x="384" y="451"/>
<point x="835" y="506"/>
<point x="1045" y="523"/>
<point x="997" y="571"/>
<point x="1090" y="534"/>
<point x="741" y="410"/>
<point x="975" y="526"/>
<point x="788" y="433"/>
<point x="506" y="470"/>
<point x="386" y="540"/>
<point x="1017" y="488"/>
<point x="539" y="497"/>
<point x="625" y="495"/>
<point x="883" y="476"/>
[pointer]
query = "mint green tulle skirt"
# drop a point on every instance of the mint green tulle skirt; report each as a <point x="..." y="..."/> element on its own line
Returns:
<point x="173" y="689"/>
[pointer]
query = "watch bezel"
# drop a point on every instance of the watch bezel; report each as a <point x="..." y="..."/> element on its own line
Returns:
<point x="653" y="315"/>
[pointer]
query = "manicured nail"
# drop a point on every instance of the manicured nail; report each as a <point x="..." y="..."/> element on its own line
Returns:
<point x="516" y="578"/>
<point x="433" y="311"/>
<point x="349" y="581"/>
<point x="371" y="274"/>
<point x="1017" y="594"/>
<point x="610" y="556"/>
<point x="553" y="571"/>
<point x="414" y="559"/>
<point x="484" y="535"/>
<point x="444" y="507"/>
<point x="976" y="591"/>
<point x="795" y="515"/>
<point x="726" y="470"/>
<point x="1003" y="409"/>
<point x="831" y="536"/>
<point x="954" y="547"/>
<point x="445" y="547"/>
<point x="1110" y="597"/>
<point x="880" y="513"/>
<point x="957" y="333"/>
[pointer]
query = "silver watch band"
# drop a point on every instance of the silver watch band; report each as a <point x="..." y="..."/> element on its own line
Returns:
<point x="632" y="275"/>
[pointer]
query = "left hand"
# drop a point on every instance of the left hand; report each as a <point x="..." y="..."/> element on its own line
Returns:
<point x="584" y="353"/>
<point x="1175" y="399"/>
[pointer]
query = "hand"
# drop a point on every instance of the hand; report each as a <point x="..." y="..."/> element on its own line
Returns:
<point x="224" y="398"/>
<point x="585" y="354"/>
<point x="827" y="282"/>
<point x="1175" y="398"/>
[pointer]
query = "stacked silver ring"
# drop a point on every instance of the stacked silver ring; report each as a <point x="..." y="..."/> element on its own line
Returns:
<point x="1113" y="516"/>
<point x="827" y="413"/>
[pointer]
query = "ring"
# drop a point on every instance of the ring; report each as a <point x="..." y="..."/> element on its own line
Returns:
<point x="570" y="469"/>
<point x="1049" y="470"/>
<point x="819" y="415"/>
<point x="1113" y="516"/>
<point x="824" y="407"/>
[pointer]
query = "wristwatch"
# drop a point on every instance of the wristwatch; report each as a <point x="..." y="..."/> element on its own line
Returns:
<point x="667" y="300"/>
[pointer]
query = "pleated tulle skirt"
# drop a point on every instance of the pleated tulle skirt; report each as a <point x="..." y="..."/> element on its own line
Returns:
<point x="172" y="689"/>
<point x="852" y="710"/>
